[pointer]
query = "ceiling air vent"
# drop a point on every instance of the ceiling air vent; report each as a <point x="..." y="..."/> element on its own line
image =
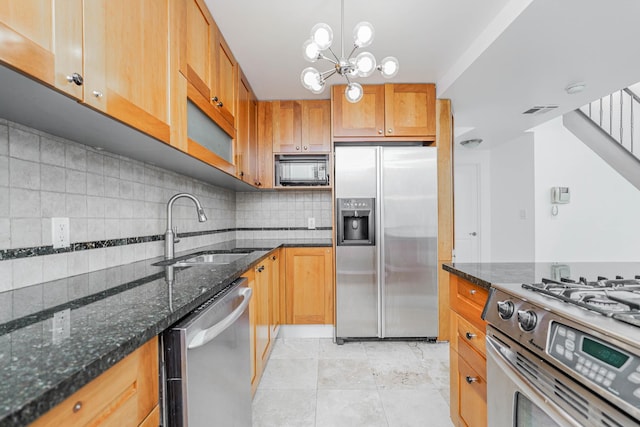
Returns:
<point x="540" y="109"/>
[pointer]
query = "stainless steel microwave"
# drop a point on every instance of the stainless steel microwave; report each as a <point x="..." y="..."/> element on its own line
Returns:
<point x="293" y="170"/>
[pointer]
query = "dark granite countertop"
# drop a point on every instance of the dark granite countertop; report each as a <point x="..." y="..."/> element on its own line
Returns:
<point x="517" y="273"/>
<point x="112" y="311"/>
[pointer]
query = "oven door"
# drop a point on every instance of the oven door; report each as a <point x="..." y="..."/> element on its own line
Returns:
<point x="523" y="391"/>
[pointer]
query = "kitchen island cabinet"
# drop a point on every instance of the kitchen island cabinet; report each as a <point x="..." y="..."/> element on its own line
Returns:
<point x="468" y="385"/>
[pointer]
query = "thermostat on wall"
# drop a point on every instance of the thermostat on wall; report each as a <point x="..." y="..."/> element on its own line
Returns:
<point x="560" y="195"/>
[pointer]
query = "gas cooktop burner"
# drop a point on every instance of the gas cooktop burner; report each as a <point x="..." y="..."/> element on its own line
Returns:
<point x="618" y="298"/>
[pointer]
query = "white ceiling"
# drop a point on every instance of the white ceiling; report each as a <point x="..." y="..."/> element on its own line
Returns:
<point x="493" y="58"/>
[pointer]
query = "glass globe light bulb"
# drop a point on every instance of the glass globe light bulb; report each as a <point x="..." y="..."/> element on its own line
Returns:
<point x="363" y="34"/>
<point x="353" y="92"/>
<point x="310" y="78"/>
<point x="322" y="35"/>
<point x="317" y="87"/>
<point x="389" y="67"/>
<point x="366" y="64"/>
<point x="310" y="50"/>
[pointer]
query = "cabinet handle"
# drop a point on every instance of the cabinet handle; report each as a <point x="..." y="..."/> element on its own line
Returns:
<point x="75" y="78"/>
<point x="214" y="99"/>
<point x="77" y="406"/>
<point x="260" y="269"/>
<point x="297" y="147"/>
<point x="273" y="257"/>
<point x="390" y="130"/>
<point x="470" y="336"/>
<point x="220" y="104"/>
<point x="470" y="379"/>
<point x="97" y="93"/>
<point x="473" y="291"/>
<point x="305" y="147"/>
<point x="241" y="173"/>
<point x="379" y="131"/>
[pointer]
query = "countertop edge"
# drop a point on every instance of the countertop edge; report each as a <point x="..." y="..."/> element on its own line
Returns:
<point x="473" y="279"/>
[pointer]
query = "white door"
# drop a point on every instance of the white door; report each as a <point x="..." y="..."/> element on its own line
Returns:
<point x="467" y="212"/>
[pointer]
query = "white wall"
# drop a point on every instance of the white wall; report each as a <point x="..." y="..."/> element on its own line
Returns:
<point x="601" y="221"/>
<point x="512" y="201"/>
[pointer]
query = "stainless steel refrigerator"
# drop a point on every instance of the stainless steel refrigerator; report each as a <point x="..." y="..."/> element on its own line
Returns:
<point x="386" y="242"/>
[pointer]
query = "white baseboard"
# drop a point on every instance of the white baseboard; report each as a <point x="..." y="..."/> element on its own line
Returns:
<point x="305" y="331"/>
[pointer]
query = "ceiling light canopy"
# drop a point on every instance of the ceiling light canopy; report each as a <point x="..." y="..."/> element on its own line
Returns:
<point x="350" y="67"/>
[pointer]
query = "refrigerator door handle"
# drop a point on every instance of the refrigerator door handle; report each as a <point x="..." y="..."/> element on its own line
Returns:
<point x="380" y="245"/>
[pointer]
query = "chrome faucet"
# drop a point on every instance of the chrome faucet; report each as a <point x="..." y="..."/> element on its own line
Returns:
<point x="170" y="234"/>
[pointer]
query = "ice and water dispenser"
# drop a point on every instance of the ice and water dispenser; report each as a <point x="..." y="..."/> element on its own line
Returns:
<point x="356" y="224"/>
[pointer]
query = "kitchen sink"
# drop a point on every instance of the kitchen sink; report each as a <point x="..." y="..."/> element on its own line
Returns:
<point x="210" y="259"/>
<point x="202" y="258"/>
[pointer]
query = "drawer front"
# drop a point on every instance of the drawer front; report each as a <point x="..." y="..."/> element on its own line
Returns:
<point x="123" y="395"/>
<point x="468" y="300"/>
<point x="472" y="358"/>
<point x="472" y="395"/>
<point x="472" y="335"/>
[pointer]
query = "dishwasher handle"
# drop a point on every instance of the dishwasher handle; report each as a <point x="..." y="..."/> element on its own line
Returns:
<point x="204" y="336"/>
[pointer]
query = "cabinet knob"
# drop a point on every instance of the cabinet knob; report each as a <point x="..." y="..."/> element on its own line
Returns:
<point x="379" y="131"/>
<point x="390" y="130"/>
<point x="214" y="99"/>
<point x="473" y="291"/>
<point x="305" y="147"/>
<point x="273" y="257"/>
<point x="470" y="335"/>
<point x="97" y="93"/>
<point x="297" y="147"/>
<point x="470" y="379"/>
<point x="241" y="173"/>
<point x="260" y="269"/>
<point x="220" y="104"/>
<point x="75" y="78"/>
<point x="77" y="406"/>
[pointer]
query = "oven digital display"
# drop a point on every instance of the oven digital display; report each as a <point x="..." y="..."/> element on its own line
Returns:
<point x="604" y="353"/>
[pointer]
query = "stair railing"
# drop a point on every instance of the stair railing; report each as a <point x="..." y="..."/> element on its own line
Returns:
<point x="618" y="114"/>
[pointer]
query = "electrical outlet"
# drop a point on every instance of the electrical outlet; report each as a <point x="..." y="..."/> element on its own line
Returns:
<point x="60" y="232"/>
<point x="311" y="223"/>
<point x="61" y="325"/>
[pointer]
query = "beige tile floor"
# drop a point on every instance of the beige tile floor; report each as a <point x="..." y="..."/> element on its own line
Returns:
<point x="313" y="382"/>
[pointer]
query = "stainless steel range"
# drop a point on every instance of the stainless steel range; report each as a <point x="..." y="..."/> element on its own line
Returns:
<point x="566" y="352"/>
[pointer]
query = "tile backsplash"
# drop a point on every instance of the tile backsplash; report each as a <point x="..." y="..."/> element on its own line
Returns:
<point x="108" y="198"/>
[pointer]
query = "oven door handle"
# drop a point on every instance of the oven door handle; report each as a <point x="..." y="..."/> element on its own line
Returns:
<point x="533" y="394"/>
<point x="203" y="337"/>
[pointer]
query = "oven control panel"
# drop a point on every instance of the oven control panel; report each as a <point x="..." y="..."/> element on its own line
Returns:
<point x="598" y="362"/>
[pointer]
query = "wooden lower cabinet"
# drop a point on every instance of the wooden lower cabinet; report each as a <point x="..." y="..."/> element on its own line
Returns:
<point x="264" y="308"/>
<point x="468" y="397"/>
<point x="125" y="395"/>
<point x="309" y="286"/>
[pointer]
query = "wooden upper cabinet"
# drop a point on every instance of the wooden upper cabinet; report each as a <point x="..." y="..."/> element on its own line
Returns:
<point x="302" y="127"/>
<point x="316" y="126"/>
<point x="246" y="149"/>
<point x="225" y="80"/>
<point x="410" y="110"/>
<point x="126" y="62"/>
<point x="265" y="144"/>
<point x="200" y="31"/>
<point x="242" y="132"/>
<point x="363" y="118"/>
<point x="43" y="39"/>
<point x="287" y="126"/>
<point x="399" y="111"/>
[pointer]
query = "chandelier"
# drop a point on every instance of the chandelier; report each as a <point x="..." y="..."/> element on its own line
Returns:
<point x="350" y="67"/>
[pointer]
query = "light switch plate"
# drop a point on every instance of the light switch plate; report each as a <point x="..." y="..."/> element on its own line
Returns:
<point x="311" y="223"/>
<point x="61" y="325"/>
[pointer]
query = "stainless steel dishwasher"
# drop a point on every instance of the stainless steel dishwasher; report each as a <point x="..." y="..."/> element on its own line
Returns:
<point x="207" y="363"/>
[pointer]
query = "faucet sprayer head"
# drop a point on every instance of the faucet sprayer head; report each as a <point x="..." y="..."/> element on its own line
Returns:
<point x="202" y="217"/>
